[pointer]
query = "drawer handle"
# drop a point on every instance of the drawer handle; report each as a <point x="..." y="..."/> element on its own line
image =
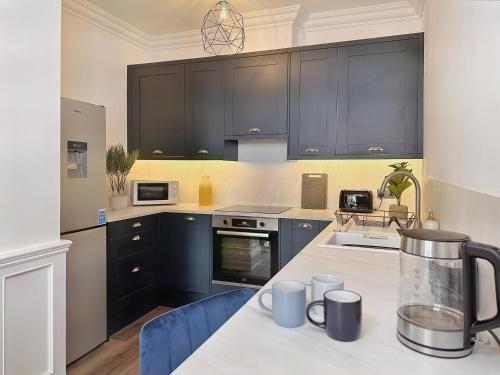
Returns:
<point x="189" y="218"/>
<point x="376" y="149"/>
<point x="136" y="238"/>
<point x="305" y="226"/>
<point x="202" y="152"/>
<point x="157" y="152"/>
<point x="137" y="224"/>
<point x="135" y="269"/>
<point x="312" y="150"/>
<point x="254" y="130"/>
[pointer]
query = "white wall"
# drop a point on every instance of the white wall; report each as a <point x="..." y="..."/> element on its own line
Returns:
<point x="29" y="141"/>
<point x="94" y="70"/>
<point x="462" y="106"/>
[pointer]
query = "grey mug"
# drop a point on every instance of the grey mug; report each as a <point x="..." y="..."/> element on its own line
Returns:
<point x="288" y="303"/>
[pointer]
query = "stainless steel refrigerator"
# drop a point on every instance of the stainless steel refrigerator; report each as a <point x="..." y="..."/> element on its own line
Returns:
<point x="83" y="221"/>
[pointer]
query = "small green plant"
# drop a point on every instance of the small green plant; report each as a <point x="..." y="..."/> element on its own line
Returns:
<point x="398" y="184"/>
<point x="118" y="166"/>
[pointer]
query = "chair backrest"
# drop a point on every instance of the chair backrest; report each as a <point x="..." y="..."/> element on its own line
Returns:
<point x="167" y="340"/>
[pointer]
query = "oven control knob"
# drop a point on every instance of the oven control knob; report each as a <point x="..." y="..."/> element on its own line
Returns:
<point x="224" y="222"/>
<point x="262" y="224"/>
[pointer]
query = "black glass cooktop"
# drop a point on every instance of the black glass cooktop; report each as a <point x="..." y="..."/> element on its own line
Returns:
<point x="255" y="209"/>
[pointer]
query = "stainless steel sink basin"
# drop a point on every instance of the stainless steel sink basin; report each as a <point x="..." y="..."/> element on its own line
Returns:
<point x="389" y="241"/>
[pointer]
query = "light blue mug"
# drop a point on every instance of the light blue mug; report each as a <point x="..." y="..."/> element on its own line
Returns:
<point x="288" y="303"/>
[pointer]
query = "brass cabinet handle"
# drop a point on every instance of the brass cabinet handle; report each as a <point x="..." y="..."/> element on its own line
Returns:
<point x="135" y="269"/>
<point x="136" y="238"/>
<point x="202" y="151"/>
<point x="157" y="152"/>
<point x="189" y="218"/>
<point x="305" y="226"/>
<point x="137" y="224"/>
<point x="312" y="150"/>
<point x="375" y="149"/>
<point x="254" y="130"/>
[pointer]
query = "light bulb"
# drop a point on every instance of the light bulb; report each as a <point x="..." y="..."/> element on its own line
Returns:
<point x="223" y="11"/>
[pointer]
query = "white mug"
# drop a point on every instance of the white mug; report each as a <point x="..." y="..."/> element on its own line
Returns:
<point x="320" y="284"/>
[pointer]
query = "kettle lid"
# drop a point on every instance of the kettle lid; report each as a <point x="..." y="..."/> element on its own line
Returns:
<point x="434" y="235"/>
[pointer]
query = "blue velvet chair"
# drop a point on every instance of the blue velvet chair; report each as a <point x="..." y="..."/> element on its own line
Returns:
<point x="167" y="340"/>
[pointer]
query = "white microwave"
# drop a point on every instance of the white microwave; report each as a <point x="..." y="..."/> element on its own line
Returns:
<point x="154" y="192"/>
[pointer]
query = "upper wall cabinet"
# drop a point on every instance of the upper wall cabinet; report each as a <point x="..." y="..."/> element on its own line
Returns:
<point x="313" y="103"/>
<point x="204" y="110"/>
<point x="380" y="100"/>
<point x="256" y="96"/>
<point x="156" y="111"/>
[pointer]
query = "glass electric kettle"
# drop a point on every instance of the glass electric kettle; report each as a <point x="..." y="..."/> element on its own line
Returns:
<point x="437" y="292"/>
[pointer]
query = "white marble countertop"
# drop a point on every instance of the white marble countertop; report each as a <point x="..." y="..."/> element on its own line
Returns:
<point x="193" y="208"/>
<point x="251" y="343"/>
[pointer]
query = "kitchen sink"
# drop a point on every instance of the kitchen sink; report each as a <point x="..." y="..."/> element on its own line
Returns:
<point x="387" y="241"/>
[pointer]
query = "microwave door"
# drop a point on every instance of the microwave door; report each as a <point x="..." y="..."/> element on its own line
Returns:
<point x="152" y="192"/>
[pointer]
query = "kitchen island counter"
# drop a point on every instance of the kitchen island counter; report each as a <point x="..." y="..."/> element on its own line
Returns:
<point x="251" y="343"/>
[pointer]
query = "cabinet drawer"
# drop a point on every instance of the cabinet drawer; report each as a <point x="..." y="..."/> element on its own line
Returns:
<point x="377" y="149"/>
<point x="131" y="274"/>
<point x="132" y="243"/>
<point x="305" y="225"/>
<point x="131" y="226"/>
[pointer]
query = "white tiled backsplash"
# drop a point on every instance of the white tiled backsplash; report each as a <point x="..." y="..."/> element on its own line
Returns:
<point x="277" y="183"/>
<point x="476" y="214"/>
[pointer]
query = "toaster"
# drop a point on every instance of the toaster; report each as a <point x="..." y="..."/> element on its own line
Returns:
<point x="356" y="201"/>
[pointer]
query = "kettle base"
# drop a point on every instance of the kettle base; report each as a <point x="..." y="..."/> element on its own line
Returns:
<point x="433" y="351"/>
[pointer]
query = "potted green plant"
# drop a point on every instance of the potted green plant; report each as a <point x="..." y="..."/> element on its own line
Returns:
<point x="118" y="166"/>
<point x="397" y="185"/>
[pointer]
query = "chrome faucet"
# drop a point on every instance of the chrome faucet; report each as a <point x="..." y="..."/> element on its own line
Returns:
<point x="418" y="222"/>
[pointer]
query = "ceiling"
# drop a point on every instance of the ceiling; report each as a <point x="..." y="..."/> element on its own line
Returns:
<point x="157" y="17"/>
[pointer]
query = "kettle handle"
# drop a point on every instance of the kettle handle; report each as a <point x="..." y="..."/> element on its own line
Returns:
<point x="472" y="251"/>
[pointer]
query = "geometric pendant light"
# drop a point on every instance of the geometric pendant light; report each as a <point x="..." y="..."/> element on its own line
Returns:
<point x="222" y="30"/>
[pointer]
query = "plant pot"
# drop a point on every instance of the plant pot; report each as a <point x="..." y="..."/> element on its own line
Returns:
<point x="398" y="210"/>
<point x="118" y="203"/>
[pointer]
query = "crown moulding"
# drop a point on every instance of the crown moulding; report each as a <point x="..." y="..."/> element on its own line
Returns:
<point x="294" y="16"/>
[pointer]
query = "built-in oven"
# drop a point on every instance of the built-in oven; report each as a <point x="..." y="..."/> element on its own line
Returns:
<point x="245" y="250"/>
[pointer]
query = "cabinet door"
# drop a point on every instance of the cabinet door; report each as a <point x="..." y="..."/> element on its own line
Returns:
<point x="185" y="253"/>
<point x="256" y="96"/>
<point x="379" y="99"/>
<point x="204" y="106"/>
<point x="313" y="103"/>
<point x="295" y="234"/>
<point x="303" y="232"/>
<point x="156" y="111"/>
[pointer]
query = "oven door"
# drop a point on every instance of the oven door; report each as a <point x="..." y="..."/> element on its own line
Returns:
<point x="245" y="256"/>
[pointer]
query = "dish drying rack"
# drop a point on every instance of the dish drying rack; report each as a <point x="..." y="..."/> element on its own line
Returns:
<point x="376" y="219"/>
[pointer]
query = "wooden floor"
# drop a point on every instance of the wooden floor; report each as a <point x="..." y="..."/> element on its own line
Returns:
<point x="120" y="355"/>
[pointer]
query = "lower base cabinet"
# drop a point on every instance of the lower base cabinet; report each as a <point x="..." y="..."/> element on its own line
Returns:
<point x="166" y="259"/>
<point x="295" y="234"/>
<point x="132" y="258"/>
<point x="184" y="257"/>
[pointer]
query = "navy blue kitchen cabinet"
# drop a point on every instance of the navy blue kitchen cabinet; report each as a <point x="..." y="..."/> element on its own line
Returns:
<point x="184" y="256"/>
<point x="205" y="113"/>
<point x="313" y="103"/>
<point x="256" y="96"/>
<point x="295" y="234"/>
<point x="380" y="99"/>
<point x="132" y="258"/>
<point x="348" y="100"/>
<point x="156" y="111"/>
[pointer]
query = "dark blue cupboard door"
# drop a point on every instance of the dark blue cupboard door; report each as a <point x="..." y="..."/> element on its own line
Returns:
<point x="379" y="99"/>
<point x="204" y="110"/>
<point x="256" y="96"/>
<point x="185" y="253"/>
<point x="313" y="103"/>
<point x="156" y="111"/>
